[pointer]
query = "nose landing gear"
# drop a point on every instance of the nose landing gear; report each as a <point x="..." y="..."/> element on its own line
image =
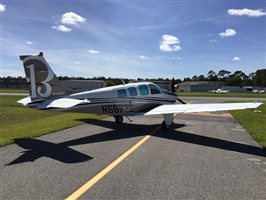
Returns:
<point x="168" y="120"/>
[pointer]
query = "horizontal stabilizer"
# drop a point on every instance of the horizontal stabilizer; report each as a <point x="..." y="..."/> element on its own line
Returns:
<point x="25" y="100"/>
<point x="65" y="103"/>
<point x="190" y="108"/>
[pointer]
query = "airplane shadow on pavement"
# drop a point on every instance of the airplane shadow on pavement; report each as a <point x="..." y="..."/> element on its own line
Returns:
<point x="35" y="148"/>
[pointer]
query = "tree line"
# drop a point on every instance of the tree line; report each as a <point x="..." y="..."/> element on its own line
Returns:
<point x="116" y="81"/>
<point x="237" y="78"/>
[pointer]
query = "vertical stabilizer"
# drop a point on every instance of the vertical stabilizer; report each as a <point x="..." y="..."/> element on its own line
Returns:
<point x="42" y="81"/>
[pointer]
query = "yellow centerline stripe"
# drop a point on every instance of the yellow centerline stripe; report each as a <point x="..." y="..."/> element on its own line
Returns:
<point x="106" y="170"/>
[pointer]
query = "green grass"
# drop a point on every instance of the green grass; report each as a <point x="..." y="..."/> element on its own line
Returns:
<point x="253" y="122"/>
<point x="230" y="94"/>
<point x="4" y="90"/>
<point x="17" y="121"/>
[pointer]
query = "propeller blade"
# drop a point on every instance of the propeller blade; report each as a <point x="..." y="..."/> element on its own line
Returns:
<point x="180" y="100"/>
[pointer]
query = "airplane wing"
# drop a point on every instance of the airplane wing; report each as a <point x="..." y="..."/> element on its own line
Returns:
<point x="190" y="108"/>
<point x="56" y="103"/>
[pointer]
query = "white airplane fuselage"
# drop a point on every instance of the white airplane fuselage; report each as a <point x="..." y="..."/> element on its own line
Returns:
<point x="122" y="100"/>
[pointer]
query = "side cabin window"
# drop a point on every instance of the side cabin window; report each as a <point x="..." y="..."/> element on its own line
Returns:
<point x="154" y="89"/>
<point x="132" y="91"/>
<point x="122" y="93"/>
<point x="143" y="89"/>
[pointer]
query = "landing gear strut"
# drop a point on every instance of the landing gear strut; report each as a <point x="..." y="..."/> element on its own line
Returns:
<point x="168" y="120"/>
<point x="119" y="119"/>
<point x="164" y="127"/>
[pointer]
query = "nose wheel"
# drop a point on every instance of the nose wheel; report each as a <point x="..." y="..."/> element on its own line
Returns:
<point x="119" y="119"/>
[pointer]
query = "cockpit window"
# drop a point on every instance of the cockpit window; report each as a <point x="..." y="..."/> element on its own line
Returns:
<point x="154" y="89"/>
<point x="143" y="89"/>
<point x="132" y="91"/>
<point x="122" y="93"/>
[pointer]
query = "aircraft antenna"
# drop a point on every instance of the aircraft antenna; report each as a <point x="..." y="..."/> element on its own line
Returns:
<point x="123" y="81"/>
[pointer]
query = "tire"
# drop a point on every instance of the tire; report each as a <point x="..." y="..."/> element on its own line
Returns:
<point x="119" y="119"/>
<point x="164" y="127"/>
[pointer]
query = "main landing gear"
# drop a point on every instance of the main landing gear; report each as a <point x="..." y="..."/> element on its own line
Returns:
<point x="118" y="119"/>
<point x="164" y="127"/>
<point x="168" y="120"/>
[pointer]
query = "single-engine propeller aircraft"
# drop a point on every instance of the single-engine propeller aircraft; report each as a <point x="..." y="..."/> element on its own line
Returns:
<point x="141" y="99"/>
<point x="219" y="91"/>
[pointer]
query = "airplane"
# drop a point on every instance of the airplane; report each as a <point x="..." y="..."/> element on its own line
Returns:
<point x="258" y="91"/>
<point x="250" y="89"/>
<point x="219" y="91"/>
<point x="133" y="99"/>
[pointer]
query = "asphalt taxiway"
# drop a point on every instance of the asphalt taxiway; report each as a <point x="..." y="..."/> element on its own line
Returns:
<point x="203" y="156"/>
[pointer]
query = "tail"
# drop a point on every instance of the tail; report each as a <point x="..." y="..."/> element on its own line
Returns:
<point x="42" y="81"/>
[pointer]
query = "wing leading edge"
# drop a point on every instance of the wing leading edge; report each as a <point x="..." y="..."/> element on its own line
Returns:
<point x="190" y="108"/>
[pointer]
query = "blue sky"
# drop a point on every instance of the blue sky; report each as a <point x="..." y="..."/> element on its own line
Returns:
<point x="132" y="39"/>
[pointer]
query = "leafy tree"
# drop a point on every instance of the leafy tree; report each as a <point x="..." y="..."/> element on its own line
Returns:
<point x="234" y="81"/>
<point x="251" y="75"/>
<point x="260" y="78"/>
<point x="201" y="78"/>
<point x="223" y="74"/>
<point x="186" y="79"/>
<point x="194" y="78"/>
<point x="248" y="82"/>
<point x="240" y="74"/>
<point x="211" y="76"/>
<point x="178" y="81"/>
<point x="63" y="78"/>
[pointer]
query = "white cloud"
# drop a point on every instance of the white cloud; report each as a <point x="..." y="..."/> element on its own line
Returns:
<point x="29" y="43"/>
<point x="143" y="57"/>
<point x="72" y="18"/>
<point x="247" y="12"/>
<point x="69" y="18"/>
<point x="228" y="33"/>
<point x="77" y="62"/>
<point x="93" y="51"/>
<point x="169" y="43"/>
<point x="236" y="59"/>
<point x="61" y="28"/>
<point x="2" y="7"/>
